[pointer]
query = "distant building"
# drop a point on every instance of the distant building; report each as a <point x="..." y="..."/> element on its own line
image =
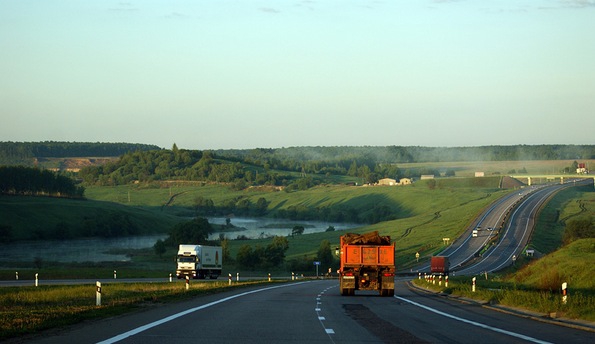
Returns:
<point x="387" y="181"/>
<point x="405" y="181"/>
<point x="480" y="174"/>
<point x="427" y="176"/>
<point x="582" y="169"/>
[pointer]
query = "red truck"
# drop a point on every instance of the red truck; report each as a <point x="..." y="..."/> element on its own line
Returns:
<point x="367" y="263"/>
<point x="439" y="265"/>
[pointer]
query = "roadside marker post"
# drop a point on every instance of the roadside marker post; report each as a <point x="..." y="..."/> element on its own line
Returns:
<point x="564" y="295"/>
<point x="440" y="280"/>
<point x="36" y="279"/>
<point x="170" y="280"/>
<point x="17" y="275"/>
<point x="446" y="281"/>
<point x="269" y="276"/>
<point x="98" y="294"/>
<point x="187" y="282"/>
<point x="293" y="276"/>
<point x="114" y="274"/>
<point x="237" y="277"/>
<point x="473" y="288"/>
<point x="230" y="278"/>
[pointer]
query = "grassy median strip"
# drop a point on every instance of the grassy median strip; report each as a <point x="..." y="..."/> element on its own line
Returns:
<point x="25" y="310"/>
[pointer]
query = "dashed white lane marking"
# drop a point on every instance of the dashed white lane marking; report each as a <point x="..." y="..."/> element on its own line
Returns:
<point x="318" y="309"/>
<point x="188" y="311"/>
<point x="474" y="323"/>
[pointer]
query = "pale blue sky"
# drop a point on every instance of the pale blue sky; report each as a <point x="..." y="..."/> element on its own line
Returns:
<point x="245" y="74"/>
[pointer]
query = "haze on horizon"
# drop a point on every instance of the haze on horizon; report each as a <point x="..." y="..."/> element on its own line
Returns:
<point x="246" y="74"/>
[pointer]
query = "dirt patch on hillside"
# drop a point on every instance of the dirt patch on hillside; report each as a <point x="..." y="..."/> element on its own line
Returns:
<point x="72" y="164"/>
<point x="511" y="183"/>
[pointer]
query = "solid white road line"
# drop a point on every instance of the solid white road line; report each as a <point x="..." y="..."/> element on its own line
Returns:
<point x="188" y="311"/>
<point x="474" y="323"/>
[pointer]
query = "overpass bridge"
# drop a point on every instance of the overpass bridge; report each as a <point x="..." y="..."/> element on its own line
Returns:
<point x="533" y="179"/>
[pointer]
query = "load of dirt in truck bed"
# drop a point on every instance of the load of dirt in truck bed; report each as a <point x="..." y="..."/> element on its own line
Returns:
<point x="372" y="238"/>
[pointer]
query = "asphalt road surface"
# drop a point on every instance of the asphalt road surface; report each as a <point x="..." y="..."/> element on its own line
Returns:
<point x="314" y="312"/>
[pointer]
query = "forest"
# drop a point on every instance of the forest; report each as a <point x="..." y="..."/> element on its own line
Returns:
<point x="20" y="180"/>
<point x="24" y="153"/>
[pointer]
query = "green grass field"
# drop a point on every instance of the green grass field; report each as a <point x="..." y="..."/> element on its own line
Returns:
<point x="38" y="217"/>
<point x="568" y="204"/>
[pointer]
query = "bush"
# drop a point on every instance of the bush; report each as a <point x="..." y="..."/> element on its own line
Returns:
<point x="578" y="229"/>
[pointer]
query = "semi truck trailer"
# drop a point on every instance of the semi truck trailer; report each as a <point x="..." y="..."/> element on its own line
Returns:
<point x="439" y="265"/>
<point x="198" y="261"/>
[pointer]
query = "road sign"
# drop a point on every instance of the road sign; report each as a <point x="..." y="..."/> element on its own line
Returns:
<point x="316" y="263"/>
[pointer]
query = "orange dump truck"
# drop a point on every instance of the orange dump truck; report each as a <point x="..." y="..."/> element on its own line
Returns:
<point x="367" y="263"/>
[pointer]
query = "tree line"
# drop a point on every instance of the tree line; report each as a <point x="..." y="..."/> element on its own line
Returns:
<point x="346" y="159"/>
<point x="20" y="180"/>
<point x="180" y="164"/>
<point x="23" y="153"/>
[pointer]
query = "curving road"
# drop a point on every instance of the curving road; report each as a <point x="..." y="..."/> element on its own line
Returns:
<point x="314" y="312"/>
<point x="505" y="227"/>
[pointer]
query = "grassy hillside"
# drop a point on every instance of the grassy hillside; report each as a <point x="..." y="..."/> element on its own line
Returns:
<point x="537" y="286"/>
<point x="572" y="264"/>
<point x="401" y="199"/>
<point x="567" y="205"/>
<point x="424" y="215"/>
<point x="42" y="217"/>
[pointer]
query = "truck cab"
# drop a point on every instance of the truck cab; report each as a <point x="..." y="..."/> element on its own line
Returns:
<point x="198" y="261"/>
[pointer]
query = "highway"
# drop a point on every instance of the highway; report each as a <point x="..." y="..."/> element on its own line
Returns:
<point x="504" y="227"/>
<point x="314" y="312"/>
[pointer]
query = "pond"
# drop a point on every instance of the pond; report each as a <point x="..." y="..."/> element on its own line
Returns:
<point x="110" y="250"/>
<point x="255" y="228"/>
<point x="75" y="250"/>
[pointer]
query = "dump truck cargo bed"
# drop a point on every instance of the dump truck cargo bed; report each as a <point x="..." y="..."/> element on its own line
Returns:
<point x="367" y="263"/>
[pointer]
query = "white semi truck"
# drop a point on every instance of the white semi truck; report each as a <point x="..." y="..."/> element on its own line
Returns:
<point x="198" y="261"/>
